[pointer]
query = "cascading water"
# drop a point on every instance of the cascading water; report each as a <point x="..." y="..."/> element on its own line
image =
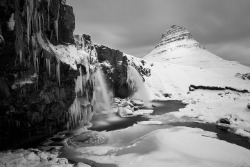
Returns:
<point x="102" y="95"/>
<point x="135" y="82"/>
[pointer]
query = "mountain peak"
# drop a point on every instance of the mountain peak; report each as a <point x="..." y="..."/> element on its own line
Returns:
<point x="176" y="33"/>
<point x="178" y="46"/>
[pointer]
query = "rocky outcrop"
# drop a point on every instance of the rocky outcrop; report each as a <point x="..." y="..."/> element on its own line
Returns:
<point x="46" y="81"/>
<point x="114" y="64"/>
<point x="177" y="33"/>
<point x="105" y="53"/>
<point x="176" y="44"/>
<point x="243" y="76"/>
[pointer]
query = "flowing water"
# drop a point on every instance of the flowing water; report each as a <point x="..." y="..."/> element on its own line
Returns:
<point x="102" y="94"/>
<point x="135" y="82"/>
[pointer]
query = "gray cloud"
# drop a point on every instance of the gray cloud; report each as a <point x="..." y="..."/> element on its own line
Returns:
<point x="135" y="26"/>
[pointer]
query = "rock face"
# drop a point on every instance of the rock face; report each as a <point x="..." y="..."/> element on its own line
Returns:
<point x="46" y="86"/>
<point x="114" y="65"/>
<point x="105" y="53"/>
<point x="177" y="33"/>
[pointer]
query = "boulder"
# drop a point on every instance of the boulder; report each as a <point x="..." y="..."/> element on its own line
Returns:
<point x="167" y="95"/>
<point x="224" y="121"/>
<point x="248" y="106"/>
<point x="124" y="112"/>
<point x="137" y="102"/>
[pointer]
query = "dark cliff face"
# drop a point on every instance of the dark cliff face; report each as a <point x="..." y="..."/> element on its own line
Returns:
<point x="114" y="65"/>
<point x="38" y="94"/>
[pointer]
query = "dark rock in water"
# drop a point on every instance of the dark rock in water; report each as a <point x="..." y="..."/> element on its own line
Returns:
<point x="135" y="108"/>
<point x="167" y="95"/>
<point x="223" y="127"/>
<point x="248" y="106"/>
<point x="224" y="121"/>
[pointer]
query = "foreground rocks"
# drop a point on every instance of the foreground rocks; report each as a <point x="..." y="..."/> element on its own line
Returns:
<point x="130" y="107"/>
<point x="32" y="158"/>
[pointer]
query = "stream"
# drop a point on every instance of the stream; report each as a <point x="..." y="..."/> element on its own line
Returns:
<point x="108" y="129"/>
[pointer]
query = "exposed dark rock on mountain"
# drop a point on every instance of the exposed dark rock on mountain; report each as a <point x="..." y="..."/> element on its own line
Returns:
<point x="243" y="76"/>
<point x="177" y="33"/>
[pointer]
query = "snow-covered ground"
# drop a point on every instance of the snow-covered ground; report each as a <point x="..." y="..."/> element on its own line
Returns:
<point x="174" y="146"/>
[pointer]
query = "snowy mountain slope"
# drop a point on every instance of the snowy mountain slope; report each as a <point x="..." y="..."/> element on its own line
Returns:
<point x="179" y="63"/>
<point x="177" y="46"/>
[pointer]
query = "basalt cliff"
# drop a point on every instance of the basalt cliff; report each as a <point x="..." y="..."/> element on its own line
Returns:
<point x="47" y="74"/>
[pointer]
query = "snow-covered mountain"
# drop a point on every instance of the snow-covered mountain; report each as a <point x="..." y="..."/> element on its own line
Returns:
<point x="182" y="62"/>
<point x="182" y="67"/>
<point x="177" y="46"/>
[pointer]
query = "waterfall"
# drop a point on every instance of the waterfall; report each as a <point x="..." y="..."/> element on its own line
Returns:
<point x="135" y="82"/>
<point x="102" y="95"/>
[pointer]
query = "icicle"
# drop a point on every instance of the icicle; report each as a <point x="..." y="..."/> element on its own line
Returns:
<point x="42" y="21"/>
<point x="39" y="22"/>
<point x="58" y="64"/>
<point x="35" y="21"/>
<point x="37" y="64"/>
<point x="33" y="42"/>
<point x="56" y="28"/>
<point x="48" y="13"/>
<point x="28" y="24"/>
<point x="20" y="55"/>
<point x="34" y="60"/>
<point x="48" y="66"/>
<point x="56" y="23"/>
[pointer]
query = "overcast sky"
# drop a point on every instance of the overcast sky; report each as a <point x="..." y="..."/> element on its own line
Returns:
<point x="135" y="26"/>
